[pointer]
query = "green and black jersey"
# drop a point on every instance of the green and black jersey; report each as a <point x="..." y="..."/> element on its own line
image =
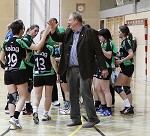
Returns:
<point x="15" y="54"/>
<point x="124" y="48"/>
<point x="114" y="51"/>
<point x="43" y="66"/>
<point x="30" y="59"/>
<point x="107" y="47"/>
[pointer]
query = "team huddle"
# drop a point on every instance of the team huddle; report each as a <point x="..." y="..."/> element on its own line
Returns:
<point x="84" y="67"/>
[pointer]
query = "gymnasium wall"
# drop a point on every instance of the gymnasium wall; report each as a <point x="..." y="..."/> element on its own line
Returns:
<point x="6" y="17"/>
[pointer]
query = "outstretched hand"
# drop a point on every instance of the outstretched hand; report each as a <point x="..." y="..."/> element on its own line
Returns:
<point x="53" y="25"/>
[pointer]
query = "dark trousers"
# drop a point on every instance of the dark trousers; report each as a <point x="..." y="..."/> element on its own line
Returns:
<point x="75" y="83"/>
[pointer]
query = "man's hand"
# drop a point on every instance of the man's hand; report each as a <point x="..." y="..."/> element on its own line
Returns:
<point x="53" y="25"/>
<point x="104" y="73"/>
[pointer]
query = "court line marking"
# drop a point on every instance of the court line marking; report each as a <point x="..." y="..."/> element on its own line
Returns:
<point x="94" y="127"/>
<point x="78" y="129"/>
<point x="4" y="133"/>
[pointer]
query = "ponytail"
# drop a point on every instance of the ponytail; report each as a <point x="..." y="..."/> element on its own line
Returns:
<point x="130" y="37"/>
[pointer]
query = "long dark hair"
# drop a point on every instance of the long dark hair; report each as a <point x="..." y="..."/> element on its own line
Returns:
<point x="125" y="30"/>
<point x="105" y="33"/>
<point x="32" y="27"/>
<point x="16" y="26"/>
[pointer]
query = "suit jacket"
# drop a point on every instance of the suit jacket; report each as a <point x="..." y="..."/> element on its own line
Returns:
<point x="88" y="48"/>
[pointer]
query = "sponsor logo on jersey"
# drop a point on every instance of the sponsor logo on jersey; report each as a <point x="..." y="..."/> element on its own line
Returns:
<point x="11" y="48"/>
<point x="44" y="54"/>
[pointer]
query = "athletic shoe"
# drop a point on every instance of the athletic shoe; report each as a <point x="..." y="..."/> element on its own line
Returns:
<point x="15" y="122"/>
<point x="106" y="113"/>
<point x="6" y="109"/>
<point x="66" y="105"/>
<point x="12" y="127"/>
<point x="56" y="103"/>
<point x="46" y="118"/>
<point x="27" y="111"/>
<point x="99" y="110"/>
<point x="64" y="111"/>
<point x="97" y="105"/>
<point x="127" y="110"/>
<point x="35" y="118"/>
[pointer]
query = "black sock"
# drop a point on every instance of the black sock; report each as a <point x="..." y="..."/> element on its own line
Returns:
<point x="109" y="108"/>
<point x="97" y="104"/>
<point x="28" y="105"/>
<point x="103" y="106"/>
<point x="16" y="114"/>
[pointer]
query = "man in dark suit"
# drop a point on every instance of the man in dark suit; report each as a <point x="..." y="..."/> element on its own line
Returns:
<point x="80" y="48"/>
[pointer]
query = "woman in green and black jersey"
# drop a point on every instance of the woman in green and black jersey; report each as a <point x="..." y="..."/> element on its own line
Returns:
<point x="32" y="32"/>
<point x="127" y="68"/>
<point x="44" y="76"/>
<point x="101" y="85"/>
<point x="13" y="56"/>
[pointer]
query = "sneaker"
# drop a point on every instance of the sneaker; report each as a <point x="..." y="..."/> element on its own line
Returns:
<point x="6" y="109"/>
<point x="97" y="105"/>
<point x="96" y="108"/>
<point x="99" y="110"/>
<point x="15" y="122"/>
<point x="56" y="103"/>
<point x="106" y="113"/>
<point x="35" y="118"/>
<point x="24" y="109"/>
<point x="64" y="111"/>
<point x="66" y="105"/>
<point x="12" y="127"/>
<point x="27" y="111"/>
<point x="46" y="118"/>
<point x="127" y="110"/>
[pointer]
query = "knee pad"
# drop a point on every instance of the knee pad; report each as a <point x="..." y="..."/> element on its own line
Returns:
<point x="118" y="89"/>
<point x="127" y="89"/>
<point x="13" y="98"/>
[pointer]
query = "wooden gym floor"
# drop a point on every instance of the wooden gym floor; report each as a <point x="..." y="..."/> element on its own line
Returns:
<point x="117" y="125"/>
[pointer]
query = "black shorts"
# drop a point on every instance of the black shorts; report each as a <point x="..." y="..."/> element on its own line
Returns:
<point x="15" y="77"/>
<point x="49" y="80"/>
<point x="127" y="70"/>
<point x="29" y="72"/>
<point x="63" y="78"/>
<point x="99" y="73"/>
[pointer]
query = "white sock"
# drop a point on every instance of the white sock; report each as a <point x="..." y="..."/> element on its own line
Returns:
<point x="127" y="103"/>
<point x="35" y="109"/>
<point x="45" y="112"/>
<point x="27" y="101"/>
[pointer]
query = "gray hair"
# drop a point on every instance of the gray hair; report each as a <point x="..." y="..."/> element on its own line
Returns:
<point x="77" y="16"/>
